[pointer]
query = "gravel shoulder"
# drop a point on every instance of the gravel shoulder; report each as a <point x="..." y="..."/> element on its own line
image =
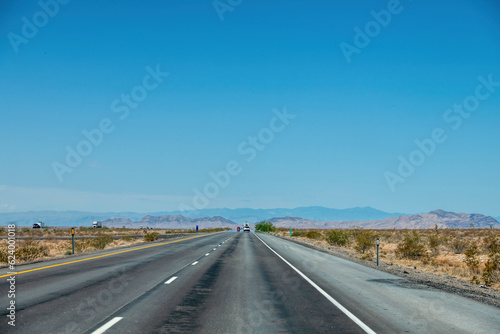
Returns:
<point x="441" y="282"/>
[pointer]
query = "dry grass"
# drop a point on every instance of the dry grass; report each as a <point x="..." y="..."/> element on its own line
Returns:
<point x="469" y="254"/>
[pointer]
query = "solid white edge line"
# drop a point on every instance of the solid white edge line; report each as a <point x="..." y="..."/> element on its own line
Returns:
<point x="324" y="293"/>
<point x="107" y="326"/>
<point x="194" y="263"/>
<point x="171" y="280"/>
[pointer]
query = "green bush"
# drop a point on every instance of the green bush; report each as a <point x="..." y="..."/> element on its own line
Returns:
<point x="491" y="272"/>
<point x="298" y="233"/>
<point x="471" y="259"/>
<point x="338" y="237"/>
<point x="364" y="240"/>
<point x="434" y="242"/>
<point x="151" y="236"/>
<point x="411" y="247"/>
<point x="313" y="234"/>
<point x="264" y="226"/>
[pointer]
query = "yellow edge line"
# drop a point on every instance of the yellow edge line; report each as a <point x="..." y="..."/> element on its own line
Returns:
<point x="97" y="257"/>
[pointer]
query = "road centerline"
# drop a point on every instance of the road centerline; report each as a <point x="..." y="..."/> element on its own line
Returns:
<point x="105" y="255"/>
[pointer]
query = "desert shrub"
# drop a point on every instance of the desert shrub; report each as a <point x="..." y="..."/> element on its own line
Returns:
<point x="491" y="272"/>
<point x="457" y="245"/>
<point x="4" y="255"/>
<point x="364" y="240"/>
<point x="151" y="236"/>
<point x="299" y="233"/>
<point x="126" y="238"/>
<point x="313" y="234"/>
<point x="92" y="244"/>
<point x="434" y="242"/>
<point x="366" y="257"/>
<point x="101" y="242"/>
<point x="471" y="259"/>
<point x="338" y="237"/>
<point x="215" y="229"/>
<point x="492" y="244"/>
<point x="31" y="250"/>
<point x="264" y="226"/>
<point x="411" y="247"/>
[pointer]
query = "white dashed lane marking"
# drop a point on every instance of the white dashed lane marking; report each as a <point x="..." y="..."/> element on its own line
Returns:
<point x="107" y="326"/>
<point x="171" y="280"/>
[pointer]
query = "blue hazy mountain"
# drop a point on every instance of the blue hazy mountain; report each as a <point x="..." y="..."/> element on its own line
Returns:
<point x="81" y="218"/>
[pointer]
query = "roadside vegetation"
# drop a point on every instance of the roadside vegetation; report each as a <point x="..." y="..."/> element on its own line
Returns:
<point x="44" y="243"/>
<point x="469" y="254"/>
<point x="265" y="226"/>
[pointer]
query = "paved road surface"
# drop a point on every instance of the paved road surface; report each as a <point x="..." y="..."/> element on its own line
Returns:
<point x="230" y="283"/>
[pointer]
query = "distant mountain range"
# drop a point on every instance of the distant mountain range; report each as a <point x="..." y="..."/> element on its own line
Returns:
<point x="170" y="222"/>
<point x="439" y="218"/>
<point x="79" y="218"/>
<point x="304" y="217"/>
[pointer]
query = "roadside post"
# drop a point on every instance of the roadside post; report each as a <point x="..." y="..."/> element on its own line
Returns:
<point x="196" y="228"/>
<point x="73" y="240"/>
<point x="378" y="243"/>
<point x="290" y="231"/>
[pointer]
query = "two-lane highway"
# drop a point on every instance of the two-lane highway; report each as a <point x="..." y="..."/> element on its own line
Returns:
<point x="230" y="283"/>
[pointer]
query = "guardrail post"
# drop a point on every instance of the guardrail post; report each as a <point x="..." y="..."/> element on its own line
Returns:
<point x="378" y="243"/>
<point x="73" y="240"/>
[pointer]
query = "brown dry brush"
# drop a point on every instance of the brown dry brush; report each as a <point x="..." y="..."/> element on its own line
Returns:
<point x="491" y="271"/>
<point x="26" y="250"/>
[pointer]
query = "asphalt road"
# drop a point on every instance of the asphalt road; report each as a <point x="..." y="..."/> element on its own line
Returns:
<point x="229" y="283"/>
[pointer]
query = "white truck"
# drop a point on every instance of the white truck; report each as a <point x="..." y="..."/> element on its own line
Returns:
<point x="38" y="225"/>
<point x="97" y="224"/>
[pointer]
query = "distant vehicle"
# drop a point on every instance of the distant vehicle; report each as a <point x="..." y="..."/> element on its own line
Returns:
<point x="246" y="228"/>
<point x="38" y="225"/>
<point x="97" y="224"/>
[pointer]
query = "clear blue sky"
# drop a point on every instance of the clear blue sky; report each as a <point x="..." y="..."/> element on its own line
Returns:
<point x="228" y="69"/>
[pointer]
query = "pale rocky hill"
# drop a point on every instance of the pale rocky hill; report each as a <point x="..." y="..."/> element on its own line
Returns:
<point x="443" y="219"/>
<point x="170" y="222"/>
